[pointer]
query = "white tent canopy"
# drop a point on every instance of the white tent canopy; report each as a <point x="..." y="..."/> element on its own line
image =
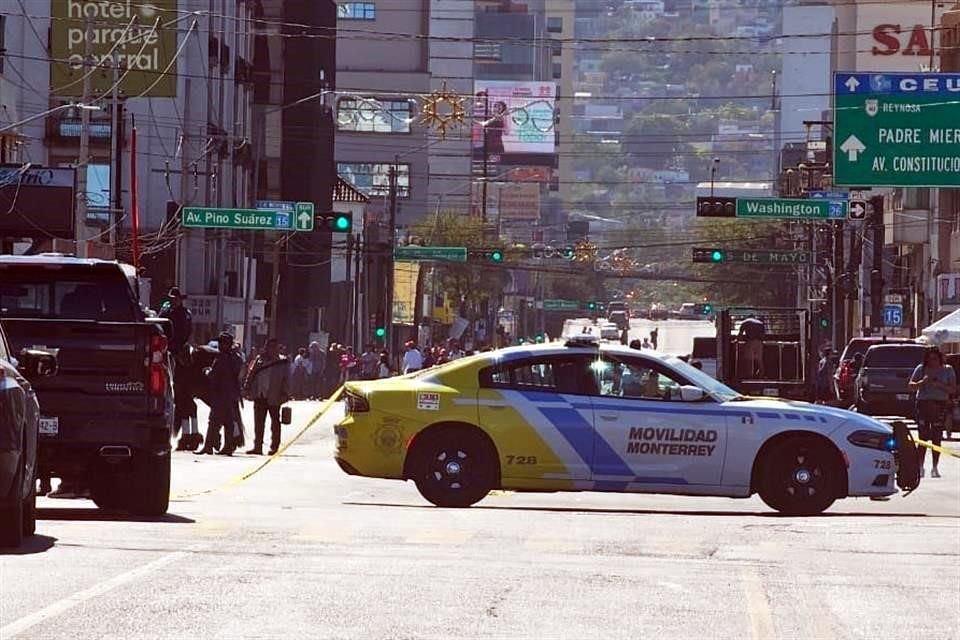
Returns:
<point x="944" y="330"/>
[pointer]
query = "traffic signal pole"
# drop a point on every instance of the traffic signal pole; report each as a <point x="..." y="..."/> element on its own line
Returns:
<point x="876" y="272"/>
<point x="388" y="259"/>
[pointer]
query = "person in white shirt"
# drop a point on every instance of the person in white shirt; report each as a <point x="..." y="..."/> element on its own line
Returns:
<point x="454" y="352"/>
<point x="412" y="358"/>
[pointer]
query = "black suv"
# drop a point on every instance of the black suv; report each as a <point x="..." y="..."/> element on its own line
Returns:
<point x="882" y="386"/>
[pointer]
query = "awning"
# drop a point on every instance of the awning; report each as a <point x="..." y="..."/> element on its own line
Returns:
<point x="944" y="330"/>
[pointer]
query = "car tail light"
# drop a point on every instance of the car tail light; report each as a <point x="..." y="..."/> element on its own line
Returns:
<point x="846" y="374"/>
<point x="157" y="366"/>
<point x="357" y="403"/>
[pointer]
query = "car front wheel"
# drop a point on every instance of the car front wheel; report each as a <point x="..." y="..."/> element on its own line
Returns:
<point x="799" y="476"/>
<point x="454" y="468"/>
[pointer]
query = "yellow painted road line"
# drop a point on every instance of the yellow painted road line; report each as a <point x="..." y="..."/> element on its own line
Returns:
<point x="64" y="605"/>
<point x="249" y="474"/>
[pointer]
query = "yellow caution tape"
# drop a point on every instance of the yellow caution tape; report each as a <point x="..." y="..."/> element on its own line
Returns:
<point x="249" y="474"/>
<point x="937" y="448"/>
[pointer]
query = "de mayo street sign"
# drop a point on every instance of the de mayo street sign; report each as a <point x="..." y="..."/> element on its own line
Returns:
<point x="897" y="129"/>
<point x="792" y="208"/>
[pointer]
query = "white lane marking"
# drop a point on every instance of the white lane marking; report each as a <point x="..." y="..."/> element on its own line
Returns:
<point x="62" y="606"/>
<point x="758" y="606"/>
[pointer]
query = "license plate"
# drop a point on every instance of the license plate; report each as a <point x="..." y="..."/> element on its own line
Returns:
<point x="49" y="426"/>
<point x="903" y="396"/>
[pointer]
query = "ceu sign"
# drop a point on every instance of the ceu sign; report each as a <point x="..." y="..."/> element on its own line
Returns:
<point x="138" y="36"/>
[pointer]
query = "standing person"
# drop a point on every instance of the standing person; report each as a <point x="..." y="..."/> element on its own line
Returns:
<point x="300" y="374"/>
<point x="268" y="386"/>
<point x="824" y="378"/>
<point x="752" y="333"/>
<point x="383" y="366"/>
<point x="654" y="336"/>
<point x="934" y="381"/>
<point x="318" y="363"/>
<point x="412" y="358"/>
<point x="186" y="387"/>
<point x="454" y="352"/>
<point x="181" y="322"/>
<point x="225" y="395"/>
<point x="348" y="365"/>
<point x="369" y="361"/>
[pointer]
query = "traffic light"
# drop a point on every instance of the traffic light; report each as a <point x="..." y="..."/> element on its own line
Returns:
<point x="569" y="253"/>
<point x="713" y="256"/>
<point x="704" y="309"/>
<point x="591" y="306"/>
<point x="716" y="207"/>
<point x="379" y="327"/>
<point x="488" y="255"/>
<point x="824" y="323"/>
<point x="337" y="222"/>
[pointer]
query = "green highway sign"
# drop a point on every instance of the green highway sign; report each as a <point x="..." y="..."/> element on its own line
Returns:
<point x="412" y="253"/>
<point x="219" y="218"/>
<point x="561" y="305"/>
<point x="791" y="208"/>
<point x="298" y="216"/>
<point x="896" y="129"/>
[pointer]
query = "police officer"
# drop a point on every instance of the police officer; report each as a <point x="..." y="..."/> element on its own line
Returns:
<point x="181" y="322"/>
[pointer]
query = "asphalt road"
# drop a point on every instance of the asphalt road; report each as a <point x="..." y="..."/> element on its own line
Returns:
<point x="674" y="337"/>
<point x="299" y="550"/>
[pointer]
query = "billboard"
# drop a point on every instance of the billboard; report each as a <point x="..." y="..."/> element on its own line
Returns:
<point x="896" y="36"/>
<point x="518" y="201"/>
<point x="37" y="202"/>
<point x="515" y="119"/>
<point x="139" y="36"/>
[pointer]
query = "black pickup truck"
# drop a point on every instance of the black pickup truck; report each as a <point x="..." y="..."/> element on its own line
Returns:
<point x="106" y="417"/>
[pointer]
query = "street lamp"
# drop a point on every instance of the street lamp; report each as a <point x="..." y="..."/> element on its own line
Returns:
<point x="43" y="114"/>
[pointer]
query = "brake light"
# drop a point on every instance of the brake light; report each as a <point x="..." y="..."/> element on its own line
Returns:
<point x="157" y="366"/>
<point x="846" y="373"/>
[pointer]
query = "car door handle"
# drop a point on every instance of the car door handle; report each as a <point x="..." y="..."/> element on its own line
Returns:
<point x="497" y="407"/>
<point x="609" y="417"/>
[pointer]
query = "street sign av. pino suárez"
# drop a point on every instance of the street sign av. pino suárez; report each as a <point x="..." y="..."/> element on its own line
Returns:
<point x="300" y="219"/>
<point x="897" y="129"/>
<point x="416" y="253"/>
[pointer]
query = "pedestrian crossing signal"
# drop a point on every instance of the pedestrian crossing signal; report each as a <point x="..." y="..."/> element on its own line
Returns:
<point x="380" y="333"/>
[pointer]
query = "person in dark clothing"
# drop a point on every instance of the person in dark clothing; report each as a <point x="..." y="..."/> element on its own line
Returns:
<point x="224" y="398"/>
<point x="268" y="385"/>
<point x="181" y="322"/>
<point x="186" y="388"/>
<point x="822" y="383"/>
<point x="752" y="333"/>
<point x="654" y="336"/>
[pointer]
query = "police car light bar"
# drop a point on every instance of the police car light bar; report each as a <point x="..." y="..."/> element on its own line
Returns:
<point x="584" y="340"/>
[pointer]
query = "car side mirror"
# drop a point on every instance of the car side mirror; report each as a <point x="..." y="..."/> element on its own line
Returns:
<point x="691" y="393"/>
<point x="34" y="363"/>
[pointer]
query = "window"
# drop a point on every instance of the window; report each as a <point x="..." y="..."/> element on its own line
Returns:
<point x="554" y="25"/>
<point x="356" y="11"/>
<point x="373" y="178"/>
<point x="556" y="374"/>
<point x="374" y="116"/>
<point x="636" y="378"/>
<point x="557" y="71"/>
<point x="66" y="293"/>
<point x="556" y="48"/>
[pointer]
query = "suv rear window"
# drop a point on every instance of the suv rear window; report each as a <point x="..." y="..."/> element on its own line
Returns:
<point x="704" y="348"/>
<point x="67" y="293"/>
<point x="860" y="345"/>
<point x="906" y="356"/>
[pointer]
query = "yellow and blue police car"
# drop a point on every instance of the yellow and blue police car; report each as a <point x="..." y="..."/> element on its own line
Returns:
<point x="586" y="416"/>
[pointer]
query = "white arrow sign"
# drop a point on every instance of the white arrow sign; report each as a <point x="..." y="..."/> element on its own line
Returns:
<point x="304" y="220"/>
<point x="852" y="84"/>
<point x="853" y="148"/>
<point x="857" y="210"/>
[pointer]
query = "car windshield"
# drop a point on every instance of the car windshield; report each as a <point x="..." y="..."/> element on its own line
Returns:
<point x="895" y="357"/>
<point x="712" y="386"/>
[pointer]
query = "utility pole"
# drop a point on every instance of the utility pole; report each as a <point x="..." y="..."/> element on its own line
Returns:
<point x="388" y="259"/>
<point x="876" y="272"/>
<point x="836" y="336"/>
<point x="114" y="156"/>
<point x="84" y="160"/>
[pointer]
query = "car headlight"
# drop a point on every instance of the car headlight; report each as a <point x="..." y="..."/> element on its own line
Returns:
<point x="356" y="403"/>
<point x="873" y="440"/>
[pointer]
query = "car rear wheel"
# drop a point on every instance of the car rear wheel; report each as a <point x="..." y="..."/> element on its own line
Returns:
<point x="799" y="476"/>
<point x="454" y="468"/>
<point x="11" y="516"/>
<point x="151" y="487"/>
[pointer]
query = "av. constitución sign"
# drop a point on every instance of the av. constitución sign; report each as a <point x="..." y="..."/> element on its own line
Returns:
<point x="897" y="129"/>
<point x="140" y="37"/>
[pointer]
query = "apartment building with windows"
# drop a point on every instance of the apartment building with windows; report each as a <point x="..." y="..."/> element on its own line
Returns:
<point x="383" y="69"/>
